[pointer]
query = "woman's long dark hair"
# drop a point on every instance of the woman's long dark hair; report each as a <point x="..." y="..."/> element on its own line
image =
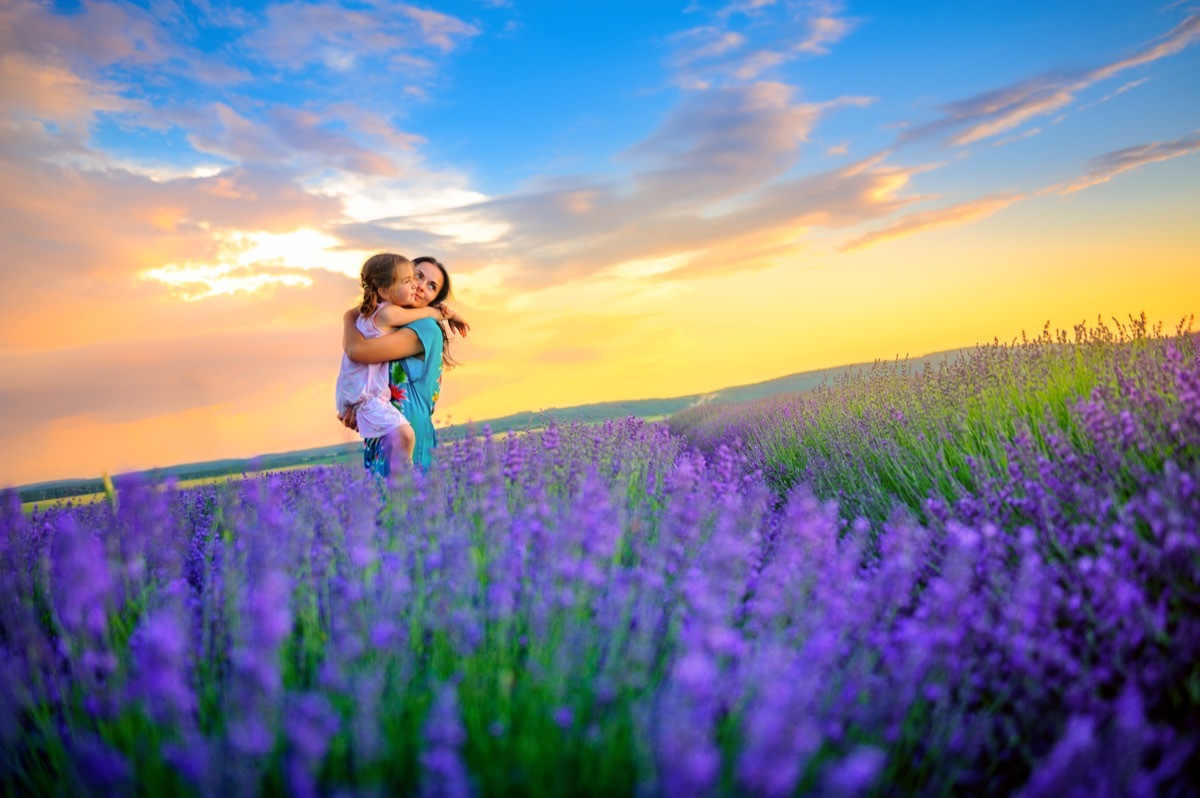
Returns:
<point x="448" y="362"/>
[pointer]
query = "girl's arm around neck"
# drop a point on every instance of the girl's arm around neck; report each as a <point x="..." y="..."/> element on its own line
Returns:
<point x="393" y="346"/>
<point x="396" y="316"/>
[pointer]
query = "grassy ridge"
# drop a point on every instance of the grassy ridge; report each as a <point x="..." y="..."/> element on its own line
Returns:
<point x="900" y="433"/>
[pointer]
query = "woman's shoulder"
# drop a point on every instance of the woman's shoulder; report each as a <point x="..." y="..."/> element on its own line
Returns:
<point x="430" y="334"/>
<point x="424" y="325"/>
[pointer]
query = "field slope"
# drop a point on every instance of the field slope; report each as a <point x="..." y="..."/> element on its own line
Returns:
<point x="351" y="452"/>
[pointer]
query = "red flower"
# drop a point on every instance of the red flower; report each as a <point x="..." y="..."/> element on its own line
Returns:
<point x="398" y="394"/>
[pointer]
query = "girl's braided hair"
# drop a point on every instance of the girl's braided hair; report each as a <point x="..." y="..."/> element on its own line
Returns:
<point x="378" y="273"/>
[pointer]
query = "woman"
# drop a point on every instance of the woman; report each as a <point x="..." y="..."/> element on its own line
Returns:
<point x="417" y="353"/>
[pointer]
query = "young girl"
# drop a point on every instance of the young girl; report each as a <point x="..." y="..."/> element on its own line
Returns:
<point x="387" y="283"/>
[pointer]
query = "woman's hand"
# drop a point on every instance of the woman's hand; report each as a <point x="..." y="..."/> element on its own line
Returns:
<point x="454" y="319"/>
<point x="349" y="419"/>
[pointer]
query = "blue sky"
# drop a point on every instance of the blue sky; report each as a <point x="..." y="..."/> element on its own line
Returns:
<point x="196" y="184"/>
<point x="511" y="92"/>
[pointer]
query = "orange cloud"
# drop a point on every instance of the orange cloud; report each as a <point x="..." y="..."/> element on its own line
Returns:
<point x="83" y="237"/>
<point x="53" y="92"/>
<point x="951" y="216"/>
<point x="732" y="143"/>
<point x="1105" y="167"/>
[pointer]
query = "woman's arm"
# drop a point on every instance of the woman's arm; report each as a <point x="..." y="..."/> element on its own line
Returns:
<point x="393" y="346"/>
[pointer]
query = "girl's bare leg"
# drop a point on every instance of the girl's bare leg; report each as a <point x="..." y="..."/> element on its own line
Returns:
<point x="404" y="443"/>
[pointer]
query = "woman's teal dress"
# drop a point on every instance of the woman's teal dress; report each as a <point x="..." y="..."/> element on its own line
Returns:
<point x="416" y="383"/>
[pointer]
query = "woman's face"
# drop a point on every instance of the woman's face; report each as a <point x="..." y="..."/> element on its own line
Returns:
<point x="429" y="280"/>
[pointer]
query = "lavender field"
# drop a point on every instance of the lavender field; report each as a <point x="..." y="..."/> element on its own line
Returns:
<point x="978" y="579"/>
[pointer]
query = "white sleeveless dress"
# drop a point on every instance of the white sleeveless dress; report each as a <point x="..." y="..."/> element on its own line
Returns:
<point x="366" y="385"/>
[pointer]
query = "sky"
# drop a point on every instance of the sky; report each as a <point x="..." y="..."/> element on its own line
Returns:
<point x="634" y="200"/>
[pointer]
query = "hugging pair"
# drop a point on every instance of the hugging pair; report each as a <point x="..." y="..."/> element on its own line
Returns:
<point x="395" y="350"/>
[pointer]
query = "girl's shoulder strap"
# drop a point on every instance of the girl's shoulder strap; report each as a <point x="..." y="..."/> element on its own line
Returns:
<point x="378" y="308"/>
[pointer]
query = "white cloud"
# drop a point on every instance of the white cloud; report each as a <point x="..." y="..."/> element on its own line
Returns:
<point x="192" y="283"/>
<point x="744" y="41"/>
<point x="253" y="260"/>
<point x="297" y="35"/>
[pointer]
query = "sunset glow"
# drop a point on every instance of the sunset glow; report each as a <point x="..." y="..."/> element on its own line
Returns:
<point x="633" y="201"/>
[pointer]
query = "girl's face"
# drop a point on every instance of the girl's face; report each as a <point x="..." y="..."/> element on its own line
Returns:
<point x="402" y="289"/>
<point x="428" y="281"/>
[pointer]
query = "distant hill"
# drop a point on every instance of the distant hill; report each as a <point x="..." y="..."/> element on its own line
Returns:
<point x="807" y="380"/>
<point x="600" y="411"/>
<point x="63" y="488"/>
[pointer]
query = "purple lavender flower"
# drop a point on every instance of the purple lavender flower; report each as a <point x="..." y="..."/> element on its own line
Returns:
<point x="310" y="723"/>
<point x="99" y="767"/>
<point x="81" y="580"/>
<point x="192" y="757"/>
<point x="962" y="567"/>
<point x="564" y="717"/>
<point x="161" y="677"/>
<point x="856" y="774"/>
<point x="443" y="773"/>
